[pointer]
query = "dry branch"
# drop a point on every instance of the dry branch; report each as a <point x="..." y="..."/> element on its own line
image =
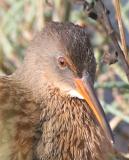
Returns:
<point x="97" y="11"/>
<point x="121" y="28"/>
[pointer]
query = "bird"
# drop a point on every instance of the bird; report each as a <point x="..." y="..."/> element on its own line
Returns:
<point x="48" y="107"/>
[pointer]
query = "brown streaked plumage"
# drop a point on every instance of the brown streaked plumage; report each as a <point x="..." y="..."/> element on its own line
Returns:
<point x="39" y="119"/>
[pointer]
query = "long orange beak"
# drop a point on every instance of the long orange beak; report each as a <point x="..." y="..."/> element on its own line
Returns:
<point x="85" y="88"/>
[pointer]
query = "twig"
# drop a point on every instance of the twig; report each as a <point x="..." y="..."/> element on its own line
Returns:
<point x="50" y="4"/>
<point x="100" y="13"/>
<point x="115" y="121"/>
<point x="40" y="17"/>
<point x="121" y="28"/>
<point x="62" y="10"/>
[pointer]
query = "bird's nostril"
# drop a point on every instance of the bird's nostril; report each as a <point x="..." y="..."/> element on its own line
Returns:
<point x="79" y="74"/>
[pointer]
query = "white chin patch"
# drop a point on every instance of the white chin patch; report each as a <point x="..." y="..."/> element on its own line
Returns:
<point x="74" y="93"/>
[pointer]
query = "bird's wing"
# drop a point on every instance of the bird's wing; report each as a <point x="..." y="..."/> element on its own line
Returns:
<point x="19" y="116"/>
<point x="7" y="118"/>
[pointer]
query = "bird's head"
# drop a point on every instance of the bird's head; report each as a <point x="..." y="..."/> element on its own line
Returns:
<point x="61" y="56"/>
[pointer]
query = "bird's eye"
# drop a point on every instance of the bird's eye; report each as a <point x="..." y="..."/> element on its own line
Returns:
<point x="62" y="62"/>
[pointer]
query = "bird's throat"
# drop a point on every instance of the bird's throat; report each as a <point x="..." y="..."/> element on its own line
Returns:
<point x="74" y="93"/>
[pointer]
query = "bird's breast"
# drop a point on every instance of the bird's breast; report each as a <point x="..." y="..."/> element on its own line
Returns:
<point x="69" y="131"/>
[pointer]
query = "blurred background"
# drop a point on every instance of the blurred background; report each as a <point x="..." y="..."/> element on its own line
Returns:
<point x="21" y="19"/>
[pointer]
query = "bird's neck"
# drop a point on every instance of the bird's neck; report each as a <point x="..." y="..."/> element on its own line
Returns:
<point x="32" y="79"/>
